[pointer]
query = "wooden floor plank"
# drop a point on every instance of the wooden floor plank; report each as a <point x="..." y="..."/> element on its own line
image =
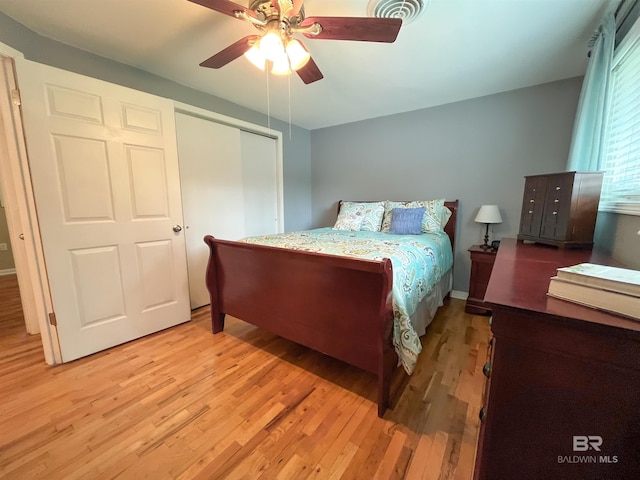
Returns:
<point x="244" y="404"/>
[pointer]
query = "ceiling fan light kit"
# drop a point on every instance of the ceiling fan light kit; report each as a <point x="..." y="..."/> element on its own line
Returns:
<point x="284" y="59"/>
<point x="298" y="55"/>
<point x="271" y="46"/>
<point x="278" y="21"/>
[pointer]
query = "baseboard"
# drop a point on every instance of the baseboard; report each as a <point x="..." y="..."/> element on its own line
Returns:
<point x="459" y="295"/>
<point x="8" y="271"/>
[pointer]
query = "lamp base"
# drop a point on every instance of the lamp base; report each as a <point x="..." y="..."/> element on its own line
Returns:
<point x="486" y="238"/>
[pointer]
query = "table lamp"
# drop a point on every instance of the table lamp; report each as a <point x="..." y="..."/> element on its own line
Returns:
<point x="488" y="214"/>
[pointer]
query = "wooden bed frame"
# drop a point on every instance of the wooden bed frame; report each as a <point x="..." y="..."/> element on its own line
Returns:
<point x="339" y="306"/>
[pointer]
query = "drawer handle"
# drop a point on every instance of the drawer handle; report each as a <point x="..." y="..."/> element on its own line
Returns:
<point x="532" y="201"/>
<point x="482" y="414"/>
<point x="557" y="188"/>
<point x="486" y="370"/>
<point x="530" y="212"/>
<point x="556" y="201"/>
<point x="555" y="213"/>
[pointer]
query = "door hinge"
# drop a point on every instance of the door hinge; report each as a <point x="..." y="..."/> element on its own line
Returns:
<point x="52" y="319"/>
<point x="15" y="96"/>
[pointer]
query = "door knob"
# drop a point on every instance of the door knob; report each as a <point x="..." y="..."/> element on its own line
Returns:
<point x="177" y="228"/>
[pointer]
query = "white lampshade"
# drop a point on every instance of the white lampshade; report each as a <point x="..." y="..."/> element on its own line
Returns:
<point x="255" y="56"/>
<point x="271" y="46"/>
<point x="298" y="55"/>
<point x="281" y="65"/>
<point x="488" y="214"/>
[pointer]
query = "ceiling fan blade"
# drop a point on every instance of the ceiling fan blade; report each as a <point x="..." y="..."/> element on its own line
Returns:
<point x="362" y="29"/>
<point x="230" y="53"/>
<point x="310" y="72"/>
<point x="224" y="6"/>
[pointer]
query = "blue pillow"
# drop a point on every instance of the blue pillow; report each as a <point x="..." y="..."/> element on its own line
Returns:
<point x="406" y="221"/>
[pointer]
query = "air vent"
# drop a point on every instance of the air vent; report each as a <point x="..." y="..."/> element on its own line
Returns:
<point x="407" y="10"/>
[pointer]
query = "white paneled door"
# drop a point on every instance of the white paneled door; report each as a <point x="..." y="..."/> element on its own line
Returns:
<point x="105" y="175"/>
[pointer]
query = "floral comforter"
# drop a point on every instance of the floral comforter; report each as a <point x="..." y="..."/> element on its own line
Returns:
<point x="419" y="261"/>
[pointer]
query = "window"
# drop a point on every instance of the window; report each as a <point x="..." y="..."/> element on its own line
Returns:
<point x="621" y="187"/>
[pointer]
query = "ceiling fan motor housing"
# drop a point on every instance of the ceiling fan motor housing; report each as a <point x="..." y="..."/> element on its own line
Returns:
<point x="266" y="11"/>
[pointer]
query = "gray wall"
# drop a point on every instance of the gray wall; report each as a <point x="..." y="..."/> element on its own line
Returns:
<point x="297" y="200"/>
<point x="620" y="236"/>
<point x="477" y="151"/>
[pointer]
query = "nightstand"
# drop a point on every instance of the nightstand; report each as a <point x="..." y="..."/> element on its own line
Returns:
<point x="481" y="265"/>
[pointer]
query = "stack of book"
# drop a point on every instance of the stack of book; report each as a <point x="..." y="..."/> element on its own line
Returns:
<point x="612" y="289"/>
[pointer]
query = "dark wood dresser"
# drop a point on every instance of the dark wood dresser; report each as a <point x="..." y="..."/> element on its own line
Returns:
<point x="562" y="398"/>
<point x="561" y="208"/>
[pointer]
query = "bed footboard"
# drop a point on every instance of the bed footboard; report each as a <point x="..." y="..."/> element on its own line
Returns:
<point x="336" y="305"/>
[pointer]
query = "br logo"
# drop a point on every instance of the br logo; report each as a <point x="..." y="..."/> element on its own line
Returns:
<point x="582" y="443"/>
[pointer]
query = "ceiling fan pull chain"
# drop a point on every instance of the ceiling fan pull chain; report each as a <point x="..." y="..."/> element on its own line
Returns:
<point x="268" y="101"/>
<point x="289" y="107"/>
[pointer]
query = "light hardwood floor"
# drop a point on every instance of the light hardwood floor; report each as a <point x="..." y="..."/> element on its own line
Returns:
<point x="185" y="404"/>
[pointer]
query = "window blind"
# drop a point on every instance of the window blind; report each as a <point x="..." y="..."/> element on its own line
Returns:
<point x="621" y="186"/>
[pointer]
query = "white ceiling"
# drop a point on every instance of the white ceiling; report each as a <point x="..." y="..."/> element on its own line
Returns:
<point x="458" y="49"/>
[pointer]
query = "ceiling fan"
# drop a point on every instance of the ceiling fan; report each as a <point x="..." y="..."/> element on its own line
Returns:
<point x="278" y="21"/>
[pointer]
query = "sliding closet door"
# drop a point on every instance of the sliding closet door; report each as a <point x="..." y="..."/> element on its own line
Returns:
<point x="229" y="190"/>
<point x="259" y="179"/>
<point x="212" y="192"/>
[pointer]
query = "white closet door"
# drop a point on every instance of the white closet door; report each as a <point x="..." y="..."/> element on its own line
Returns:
<point x="211" y="178"/>
<point x="229" y="189"/>
<point x="105" y="176"/>
<point x="212" y="192"/>
<point x="259" y="178"/>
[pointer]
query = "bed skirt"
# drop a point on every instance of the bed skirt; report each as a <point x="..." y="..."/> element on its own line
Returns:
<point x="428" y="306"/>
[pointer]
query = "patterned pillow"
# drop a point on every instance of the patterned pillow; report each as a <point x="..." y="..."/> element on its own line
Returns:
<point x="431" y="221"/>
<point x="388" y="209"/>
<point x="446" y="215"/>
<point x="348" y="219"/>
<point x="370" y="213"/>
<point x="407" y="221"/>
